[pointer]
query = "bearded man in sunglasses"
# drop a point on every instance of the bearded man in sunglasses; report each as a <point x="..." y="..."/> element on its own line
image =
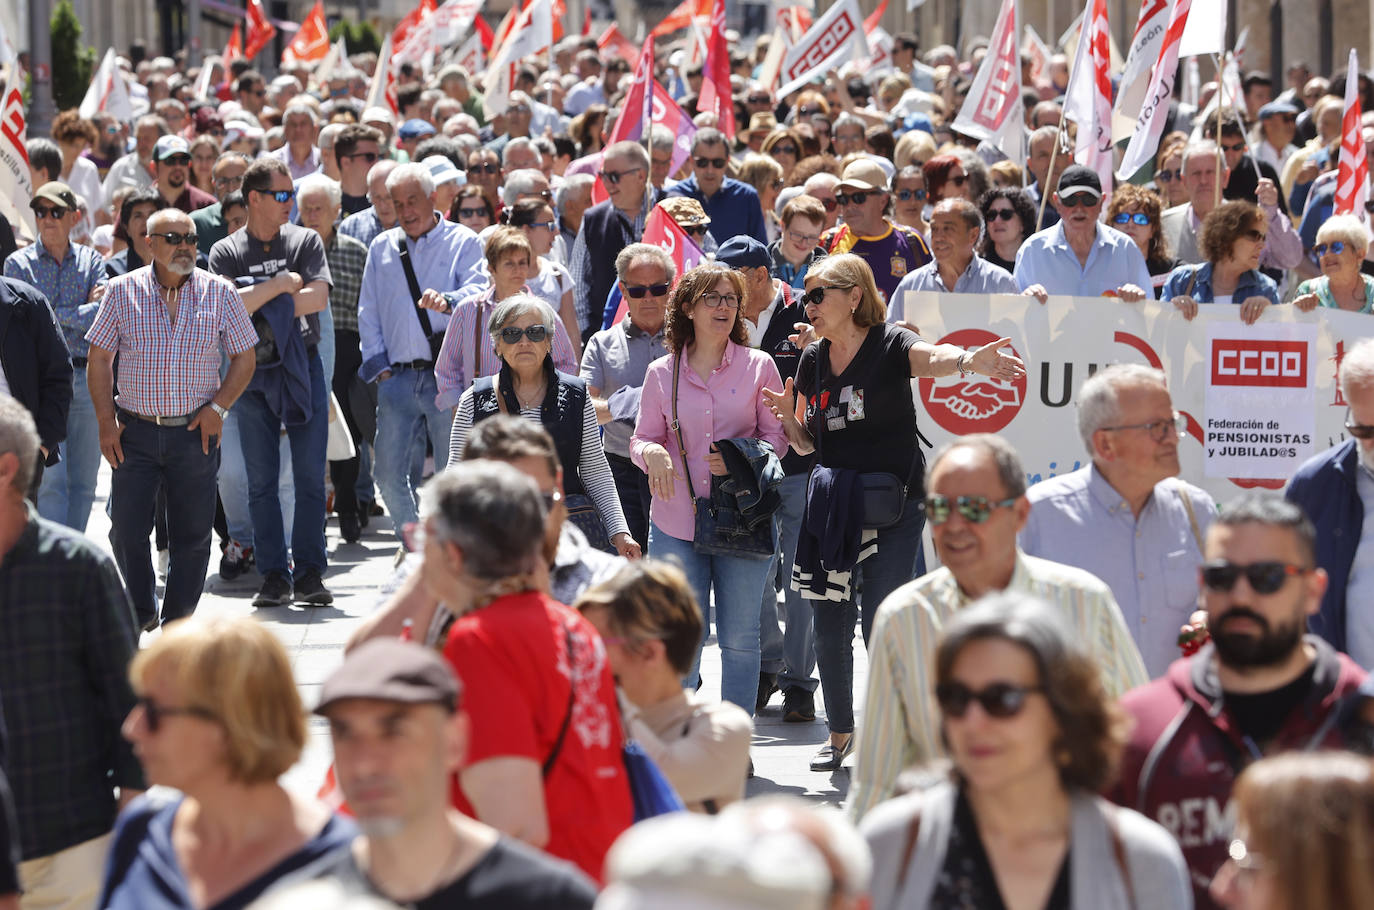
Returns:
<point x="976" y="504"/>
<point x="1259" y="688"/>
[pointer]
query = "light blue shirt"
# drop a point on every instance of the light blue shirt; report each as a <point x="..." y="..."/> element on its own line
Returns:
<point x="1359" y="631"/>
<point x="981" y="277"/>
<point x="448" y="258"/>
<point x="1149" y="561"/>
<point x="1047" y="259"/>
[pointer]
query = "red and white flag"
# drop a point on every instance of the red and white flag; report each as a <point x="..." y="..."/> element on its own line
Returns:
<point x="795" y="20"/>
<point x="832" y="39"/>
<point x="16" y="186"/>
<point x="637" y="108"/>
<point x="1352" y="175"/>
<point x="612" y="41"/>
<point x="260" y="29"/>
<point x="880" y="45"/>
<point x="716" y="97"/>
<point x="382" y="91"/>
<point x="993" y="110"/>
<point x="531" y="33"/>
<point x="683" y="16"/>
<point x="311" y="42"/>
<point x="108" y="92"/>
<point x="662" y="231"/>
<point x="1088" y="98"/>
<point x="234" y="49"/>
<point x="1150" y="120"/>
<point x="875" y="18"/>
<point x="1033" y="46"/>
<point x="471" y="56"/>
<point x="778" y="49"/>
<point x="411" y="19"/>
<point x="1140" y="57"/>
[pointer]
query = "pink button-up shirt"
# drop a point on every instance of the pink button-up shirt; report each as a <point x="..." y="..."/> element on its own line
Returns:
<point x="727" y="406"/>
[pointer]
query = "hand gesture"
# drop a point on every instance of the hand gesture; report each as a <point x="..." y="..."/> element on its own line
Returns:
<point x="1266" y="193"/>
<point x="783" y="404"/>
<point x="992" y="363"/>
<point x="804" y="336"/>
<point x="1185" y="305"/>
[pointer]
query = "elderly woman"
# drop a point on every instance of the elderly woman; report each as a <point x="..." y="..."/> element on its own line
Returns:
<point x="1232" y="240"/>
<point x="707" y="391"/>
<point x="549" y="280"/>
<point x="218" y="721"/>
<point x="651" y="625"/>
<point x="1134" y="211"/>
<point x="522" y="330"/>
<point x="914" y="148"/>
<point x="1342" y="243"/>
<point x="765" y="175"/>
<point x="1033" y="737"/>
<point x="852" y="405"/>
<point x="1009" y="216"/>
<point x="785" y="147"/>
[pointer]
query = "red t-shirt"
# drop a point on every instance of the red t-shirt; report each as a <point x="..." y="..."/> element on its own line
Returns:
<point x="512" y="656"/>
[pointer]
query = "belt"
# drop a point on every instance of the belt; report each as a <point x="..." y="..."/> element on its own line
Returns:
<point x="413" y="365"/>
<point x="79" y="362"/>
<point x="160" y="421"/>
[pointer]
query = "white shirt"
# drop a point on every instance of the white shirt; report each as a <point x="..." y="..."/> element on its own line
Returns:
<point x="757" y="329"/>
<point x="1359" y="632"/>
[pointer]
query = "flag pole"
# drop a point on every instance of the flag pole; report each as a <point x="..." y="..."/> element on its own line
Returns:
<point x="1059" y="138"/>
<point x="1221" y="96"/>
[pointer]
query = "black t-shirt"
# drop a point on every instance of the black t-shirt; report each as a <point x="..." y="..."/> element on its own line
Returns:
<point x="293" y="249"/>
<point x="869" y="419"/>
<point x="352" y="205"/>
<point x="967" y="879"/>
<point x="1262" y="715"/>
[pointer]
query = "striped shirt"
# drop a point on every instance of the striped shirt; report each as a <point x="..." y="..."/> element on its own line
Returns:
<point x="901" y="726"/>
<point x="170" y="369"/>
<point x="347" y="258"/>
<point x="67" y="284"/>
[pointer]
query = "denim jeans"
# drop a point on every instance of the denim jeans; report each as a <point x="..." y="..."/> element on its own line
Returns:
<point x="737" y="583"/>
<point x="405" y="414"/>
<point x="67" y="490"/>
<point x="233" y="482"/>
<point x="632" y="486"/>
<point x="789" y="652"/>
<point x="169" y="458"/>
<point x="260" y="438"/>
<point x="898" y="560"/>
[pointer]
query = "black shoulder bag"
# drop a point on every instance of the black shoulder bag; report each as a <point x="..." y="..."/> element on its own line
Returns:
<point x="567" y="717"/>
<point x="435" y="341"/>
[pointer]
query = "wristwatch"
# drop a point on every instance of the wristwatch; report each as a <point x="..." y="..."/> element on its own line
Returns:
<point x="222" y="412"/>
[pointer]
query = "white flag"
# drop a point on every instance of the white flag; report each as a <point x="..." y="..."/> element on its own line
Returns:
<point x="532" y="32"/>
<point x="1150" y="122"/>
<point x="772" y="61"/>
<point x="381" y="77"/>
<point x="203" y="81"/>
<point x="880" y="45"/>
<point x="471" y="56"/>
<point x="7" y="54"/>
<point x="1034" y="47"/>
<point x="831" y="40"/>
<point x="993" y="110"/>
<point x="16" y="187"/>
<point x="1206" y="30"/>
<point x="108" y="92"/>
<point x="1088" y="99"/>
<point x="1140" y="58"/>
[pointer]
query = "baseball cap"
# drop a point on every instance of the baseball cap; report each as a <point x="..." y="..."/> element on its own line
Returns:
<point x="863" y="175"/>
<point x="389" y="669"/>
<point x="56" y="192"/>
<point x="1079" y="179"/>
<point x="1274" y="108"/>
<point x="685" y="211"/>
<point x="416" y="128"/>
<point x="743" y="252"/>
<point x="444" y="171"/>
<point x="168" y="146"/>
<point x="380" y="115"/>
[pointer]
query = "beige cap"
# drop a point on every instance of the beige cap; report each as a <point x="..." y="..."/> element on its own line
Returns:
<point x="863" y="175"/>
<point x="685" y="211"/>
<point x="58" y="193"/>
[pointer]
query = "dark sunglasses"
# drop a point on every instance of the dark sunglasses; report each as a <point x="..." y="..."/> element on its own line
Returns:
<point x="976" y="509"/>
<point x="1358" y="430"/>
<point x="278" y="195"/>
<point x="547" y="225"/>
<point x="1264" y="577"/>
<point x="1336" y="247"/>
<point x="613" y="177"/>
<point x="1001" y="214"/>
<point x="1000" y="700"/>
<point x="177" y="161"/>
<point x="908" y="195"/>
<point x="814" y="296"/>
<point x="785" y="150"/>
<point x="1238" y="147"/>
<point x="807" y="111"/>
<point x="716" y="163"/>
<point x="369" y="157"/>
<point x="695" y="230"/>
<point x="42" y="211"/>
<point x="512" y="335"/>
<point x="472" y="213"/>
<point x="154" y="713"/>
<point x="858" y="198"/>
<point x="175" y="239"/>
<point x="1254" y="234"/>
<point x="759" y="99"/>
<point x="1167" y="176"/>
<point x="829" y="204"/>
<point x="1139" y="218"/>
<point x="1084" y="199"/>
<point x="637" y="291"/>
<point x="488" y="168"/>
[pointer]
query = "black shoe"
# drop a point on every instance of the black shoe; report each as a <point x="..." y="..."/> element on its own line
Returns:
<point x="768" y="684"/>
<point x="236" y="560"/>
<point x="310" y="590"/>
<point x="798" y="706"/>
<point x="349" y="528"/>
<point x="275" y="591"/>
<point x="831" y="757"/>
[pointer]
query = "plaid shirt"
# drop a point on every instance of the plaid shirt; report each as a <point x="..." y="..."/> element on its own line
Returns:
<point x="67" y="284"/>
<point x="66" y="638"/>
<point x="168" y="370"/>
<point x="347" y="257"/>
<point x="363" y="226"/>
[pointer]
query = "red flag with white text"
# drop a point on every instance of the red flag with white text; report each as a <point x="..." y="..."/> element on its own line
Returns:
<point x="682" y="16"/>
<point x="715" y="84"/>
<point x="260" y="29"/>
<point x="1352" y="175"/>
<point x="234" y="49"/>
<point x="311" y="42"/>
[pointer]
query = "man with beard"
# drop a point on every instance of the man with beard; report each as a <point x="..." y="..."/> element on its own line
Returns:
<point x="172" y="165"/>
<point x="1260" y="687"/>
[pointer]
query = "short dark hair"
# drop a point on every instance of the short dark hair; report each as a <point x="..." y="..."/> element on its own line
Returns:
<point x="45" y="156"/>
<point x="1256" y="77"/>
<point x="235" y="199"/>
<point x="906" y="41"/>
<point x="443" y="146"/>
<point x="259" y="174"/>
<point x="126" y="209"/>
<point x="348" y="138"/>
<point x="247" y="79"/>
<point x="1267" y="508"/>
<point x="409" y="94"/>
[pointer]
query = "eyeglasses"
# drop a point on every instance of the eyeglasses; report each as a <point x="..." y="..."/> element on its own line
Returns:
<point x="1167" y="176"/>
<point x="785" y="150"/>
<point x="976" y="509"/>
<point x="858" y="198"/>
<point x="613" y="177"/>
<point x="472" y="213"/>
<point x="1237" y="147"/>
<point x="175" y="239"/>
<point x="1336" y="247"/>
<point x="908" y="195"/>
<point x="369" y="157"/>
<point x="1087" y="200"/>
<point x="1158" y="429"/>
<point x="829" y="204"/>
<point x="814" y="296"/>
<point x="234" y="182"/>
<point x="759" y="99"/>
<point x="488" y="168"/>
<point x="801" y="239"/>
<point x="154" y="713"/>
<point x="546" y="225"/>
<point x="637" y="291"/>
<point x="705" y="163"/>
<point x="1001" y="214"/>
<point x="1358" y="430"/>
<point x="695" y="230"/>
<point x="1254" y="234"/>
<point x="1139" y="218"/>
<point x="1000" y="700"/>
<point x="512" y="334"/>
<point x="42" y="211"/>
<point x="716" y="301"/>
<point x="177" y="161"/>
<point x="277" y="195"/>
<point x="1264" y="577"/>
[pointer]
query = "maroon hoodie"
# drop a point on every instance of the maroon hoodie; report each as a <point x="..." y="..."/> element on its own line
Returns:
<point x="1185" y="752"/>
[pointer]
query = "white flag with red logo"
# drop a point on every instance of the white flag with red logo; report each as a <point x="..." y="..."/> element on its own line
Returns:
<point x="880" y="45"/>
<point x="471" y="56"/>
<point x="993" y="110"/>
<point x="16" y="187"/>
<point x="1150" y="120"/>
<point x="311" y="42"/>
<point x="778" y="49"/>
<point x="382" y="91"/>
<point x="1088" y="98"/>
<point x="108" y="92"/>
<point x="715" y="83"/>
<point x="1033" y="46"/>
<point x="260" y="29"/>
<point x="831" y="40"/>
<point x="531" y="33"/>
<point x="1140" y="57"/>
<point x="1352" y="175"/>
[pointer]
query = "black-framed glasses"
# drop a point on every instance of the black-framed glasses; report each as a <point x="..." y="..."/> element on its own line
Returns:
<point x="369" y="157"/>
<point x="814" y="296"/>
<point x="801" y="239"/>
<point x="1237" y="147"/>
<point x="1265" y="577"/>
<point x="637" y="291"/>
<point x="488" y="168"/>
<point x="829" y="204"/>
<point x="716" y="301"/>
<point x="1358" y="430"/>
<point x="858" y="198"/>
<point x="228" y="182"/>
<point x="154" y="713"/>
<point x="1336" y="247"/>
<point x="694" y="230"/>
<point x="472" y="213"/>
<point x="1139" y="218"/>
<point x="705" y="163"/>
<point x="760" y="99"/>
<point x="613" y="177"/>
<point x="1158" y="429"/>
<point x="42" y="211"/>
<point x="278" y="195"/>
<point x="908" y="195"/>
<point x="1087" y="200"/>
<point x="175" y="239"/>
<point x="999" y="699"/>
<point x="976" y="509"/>
<point x="1001" y="214"/>
<point x="1167" y="176"/>
<point x="512" y="334"/>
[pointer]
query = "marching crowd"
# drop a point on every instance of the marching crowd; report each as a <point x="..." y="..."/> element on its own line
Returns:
<point x="266" y="303"/>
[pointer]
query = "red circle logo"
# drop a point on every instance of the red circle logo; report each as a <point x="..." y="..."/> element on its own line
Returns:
<point x="972" y="403"/>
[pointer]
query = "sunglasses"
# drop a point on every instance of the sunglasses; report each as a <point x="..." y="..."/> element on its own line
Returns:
<point x="695" y="230"/>
<point x="637" y="291"/>
<point x="472" y="213"/>
<point x="829" y="204"/>
<point x="1167" y="176"/>
<point x="1158" y="429"/>
<point x="1336" y="247"/>
<point x="858" y="198"/>
<point x="154" y="713"/>
<point x="175" y="239"/>
<point x="1000" y="700"/>
<point x="613" y="177"/>
<point x="1264" y="577"/>
<point x="785" y="150"/>
<point x="704" y="163"/>
<point x="278" y="195"/>
<point x="42" y="211"/>
<point x="1087" y="200"/>
<point x="512" y="335"/>
<point x="1254" y="234"/>
<point x="759" y="99"/>
<point x="1238" y="147"/>
<point x="976" y="509"/>
<point x="1001" y="214"/>
<point x="814" y="296"/>
<point x="908" y="195"/>
<point x="369" y="157"/>
<point x="716" y="301"/>
<point x="1358" y="430"/>
<point x="546" y="225"/>
<point x="807" y="111"/>
<point x="488" y="168"/>
<point x="1139" y="218"/>
<point x="177" y="161"/>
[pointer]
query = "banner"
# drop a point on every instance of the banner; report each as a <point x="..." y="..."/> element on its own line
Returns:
<point x="108" y="92"/>
<point x="1034" y="47"/>
<point x="1140" y="57"/>
<point x="1352" y="175"/>
<point x="470" y="55"/>
<point x="1220" y="371"/>
<point x="834" y="38"/>
<point x="993" y="110"/>
<point x="16" y="186"/>
<point x="1205" y="34"/>
<point x="382" y="91"/>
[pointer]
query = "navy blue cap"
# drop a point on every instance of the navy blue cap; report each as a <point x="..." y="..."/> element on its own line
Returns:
<point x="743" y="252"/>
<point x="415" y="128"/>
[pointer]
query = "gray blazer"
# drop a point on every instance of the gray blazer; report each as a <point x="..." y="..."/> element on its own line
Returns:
<point x="1158" y="873"/>
<point x="1177" y="226"/>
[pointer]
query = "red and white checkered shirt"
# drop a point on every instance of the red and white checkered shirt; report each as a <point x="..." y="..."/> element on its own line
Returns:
<point x="168" y="370"/>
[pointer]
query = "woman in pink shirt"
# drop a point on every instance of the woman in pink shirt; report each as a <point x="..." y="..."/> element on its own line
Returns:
<point x="719" y="381"/>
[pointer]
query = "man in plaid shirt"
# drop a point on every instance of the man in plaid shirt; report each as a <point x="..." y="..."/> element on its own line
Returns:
<point x="168" y="322"/>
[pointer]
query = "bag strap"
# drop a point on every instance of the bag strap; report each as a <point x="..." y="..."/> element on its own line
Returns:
<point x="677" y="428"/>
<point x="414" y="285"/>
<point x="1192" y="280"/>
<point x="913" y="833"/>
<point x="1119" y="854"/>
<point x="1192" y="516"/>
<point x="567" y="718"/>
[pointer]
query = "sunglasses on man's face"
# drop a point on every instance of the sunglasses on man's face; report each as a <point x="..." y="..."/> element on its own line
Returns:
<point x="1139" y="218"/>
<point x="175" y="239"/>
<point x="613" y="178"/>
<point x="637" y="291"/>
<point x="536" y="333"/>
<point x="1000" y="700"/>
<point x="858" y="198"/>
<point x="369" y="157"/>
<point x="695" y="230"/>
<point x="1237" y="147"/>
<point x="710" y="163"/>
<point x="1087" y="200"/>
<point x="1264" y="577"/>
<point x="1358" y="430"/>
<point x="42" y="211"/>
<point x="177" y="161"/>
<point x="976" y="509"/>
<point x="282" y="196"/>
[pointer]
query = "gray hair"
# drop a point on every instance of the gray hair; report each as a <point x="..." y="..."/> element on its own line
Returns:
<point x="300" y="107"/>
<point x="572" y="186"/>
<point x="660" y="137"/>
<point x="19" y="434"/>
<point x="492" y="512"/>
<point x="846" y="851"/>
<point x="517" y="305"/>
<point x="640" y="252"/>
<point x="1348" y="229"/>
<point x="522" y="182"/>
<point x="452" y="71"/>
<point x="1202" y="148"/>
<point x="522" y="142"/>
<point x="1357" y="367"/>
<point x="1003" y="455"/>
<point x="1098" y="402"/>
<point x="847" y="119"/>
<point x="317" y="182"/>
<point x="328" y="133"/>
<point x="412" y="171"/>
<point x="632" y="151"/>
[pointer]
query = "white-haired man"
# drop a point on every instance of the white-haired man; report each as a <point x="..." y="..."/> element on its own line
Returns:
<point x="300" y="125"/>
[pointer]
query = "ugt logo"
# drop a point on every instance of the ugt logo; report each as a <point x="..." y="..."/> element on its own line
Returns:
<point x="973" y="403"/>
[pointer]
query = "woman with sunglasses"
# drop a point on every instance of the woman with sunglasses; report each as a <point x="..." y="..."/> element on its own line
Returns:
<point x="784" y="145"/>
<point x="548" y="280"/>
<point x="851" y="404"/>
<point x="765" y="176"/>
<point x="707" y="389"/>
<point x="1134" y="211"/>
<point x="472" y="210"/>
<point x="1169" y="172"/>
<point x="522" y="330"/>
<point x="218" y="719"/>
<point x="909" y="198"/>
<point x="1304" y="835"/>
<point x="1032" y="738"/>
<point x="1342" y="243"/>
<point x="1232" y="239"/>
<point x="1009" y="217"/>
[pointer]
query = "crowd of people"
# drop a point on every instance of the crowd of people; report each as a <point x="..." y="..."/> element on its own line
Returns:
<point x="261" y="303"/>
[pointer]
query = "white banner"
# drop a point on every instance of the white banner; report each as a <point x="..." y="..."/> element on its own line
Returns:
<point x="993" y="110"/>
<point x="107" y="92"/>
<point x="16" y="186"/>
<point x="1220" y="371"/>
<point x="831" y="40"/>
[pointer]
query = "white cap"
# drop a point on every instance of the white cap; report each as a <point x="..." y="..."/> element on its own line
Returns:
<point x="444" y="171"/>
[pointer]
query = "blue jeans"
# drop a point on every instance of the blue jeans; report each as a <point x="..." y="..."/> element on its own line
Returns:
<point x="233" y="482"/>
<point x="169" y="458"/>
<point x="67" y="490"/>
<point x="405" y="414"/>
<point x="260" y="437"/>
<point x="632" y="486"/>
<point x="789" y="652"/>
<point x="898" y="560"/>
<point x="737" y="583"/>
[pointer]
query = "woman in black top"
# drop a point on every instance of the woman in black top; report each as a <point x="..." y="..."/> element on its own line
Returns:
<point x="852" y="404"/>
<point x="1010" y="218"/>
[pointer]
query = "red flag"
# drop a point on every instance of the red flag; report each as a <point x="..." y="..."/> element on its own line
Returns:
<point x="311" y="42"/>
<point x="233" y="50"/>
<point x="1352" y="175"/>
<point x="560" y="9"/>
<point x="587" y="21"/>
<point x="260" y="29"/>
<point x="483" y="29"/>
<point x="613" y="42"/>
<point x="875" y="18"/>
<point x="715" y="87"/>
<point x="411" y="19"/>
<point x="795" y="20"/>
<point x="682" y="16"/>
<point x="636" y="109"/>
<point x="662" y="231"/>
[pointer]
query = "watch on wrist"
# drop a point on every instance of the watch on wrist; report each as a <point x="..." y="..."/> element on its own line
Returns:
<point x="222" y="412"/>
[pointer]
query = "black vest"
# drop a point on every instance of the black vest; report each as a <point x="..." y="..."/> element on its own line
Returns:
<point x="561" y="414"/>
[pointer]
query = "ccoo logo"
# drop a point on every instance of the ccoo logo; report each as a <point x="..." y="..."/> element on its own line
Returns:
<point x="972" y="404"/>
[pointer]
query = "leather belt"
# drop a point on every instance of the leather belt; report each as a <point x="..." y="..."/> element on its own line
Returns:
<point x="160" y="421"/>
<point x="413" y="365"/>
